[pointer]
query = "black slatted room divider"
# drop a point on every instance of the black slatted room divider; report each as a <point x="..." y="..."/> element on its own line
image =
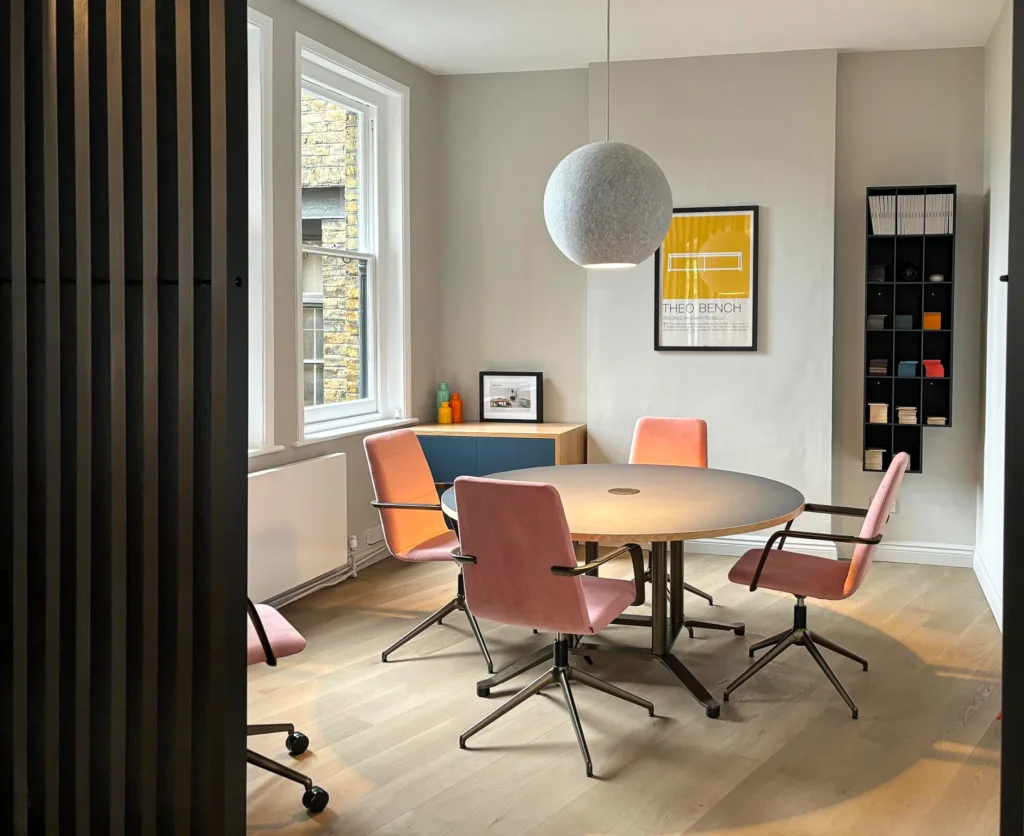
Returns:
<point x="122" y="415"/>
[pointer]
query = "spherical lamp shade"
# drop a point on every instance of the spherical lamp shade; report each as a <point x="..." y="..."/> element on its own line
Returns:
<point x="608" y="204"/>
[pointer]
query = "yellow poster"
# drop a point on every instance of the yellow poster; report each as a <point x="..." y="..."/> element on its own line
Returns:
<point x="706" y="281"/>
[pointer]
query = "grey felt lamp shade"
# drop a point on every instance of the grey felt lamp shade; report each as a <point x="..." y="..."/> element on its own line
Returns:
<point x="608" y="204"/>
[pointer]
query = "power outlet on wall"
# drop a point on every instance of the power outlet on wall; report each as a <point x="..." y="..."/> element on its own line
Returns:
<point x="374" y="535"/>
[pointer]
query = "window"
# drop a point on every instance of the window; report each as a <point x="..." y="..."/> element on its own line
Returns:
<point x="352" y="274"/>
<point x="260" y="235"/>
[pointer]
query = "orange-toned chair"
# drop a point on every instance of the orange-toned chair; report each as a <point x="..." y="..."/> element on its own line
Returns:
<point x="414" y="525"/>
<point x="806" y="576"/>
<point x="682" y="442"/>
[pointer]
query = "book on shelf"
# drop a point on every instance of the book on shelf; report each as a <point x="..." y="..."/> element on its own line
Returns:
<point x="906" y="415"/>
<point x="873" y="458"/>
<point x="883" y="214"/>
<point x="939" y="214"/>
<point x="878" y="367"/>
<point x="935" y="420"/>
<point x="910" y="214"/>
<point x="878" y="413"/>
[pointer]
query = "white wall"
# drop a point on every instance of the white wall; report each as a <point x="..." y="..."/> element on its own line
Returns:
<point x="911" y="118"/>
<point x="729" y="130"/>
<point x="988" y="561"/>
<point x="509" y="299"/>
<point x="289" y="17"/>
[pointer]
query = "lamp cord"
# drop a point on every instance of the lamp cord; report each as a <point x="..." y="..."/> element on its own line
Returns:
<point x="608" y="72"/>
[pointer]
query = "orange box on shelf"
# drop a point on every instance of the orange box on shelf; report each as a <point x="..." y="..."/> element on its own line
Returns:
<point x="932" y="321"/>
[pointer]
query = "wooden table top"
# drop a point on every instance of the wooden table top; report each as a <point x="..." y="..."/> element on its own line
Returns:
<point x="660" y="502"/>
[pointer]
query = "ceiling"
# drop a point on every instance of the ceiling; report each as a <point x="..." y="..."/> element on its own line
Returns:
<point x="479" y="36"/>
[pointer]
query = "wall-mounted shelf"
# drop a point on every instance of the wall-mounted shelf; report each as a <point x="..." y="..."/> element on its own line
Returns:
<point x="897" y="270"/>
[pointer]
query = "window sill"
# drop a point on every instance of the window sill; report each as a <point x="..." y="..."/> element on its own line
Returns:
<point x="255" y="452"/>
<point x="360" y="428"/>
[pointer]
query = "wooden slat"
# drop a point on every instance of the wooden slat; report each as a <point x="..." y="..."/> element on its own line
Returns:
<point x="18" y="594"/>
<point x="52" y="441"/>
<point x="83" y="415"/>
<point x="146" y="803"/>
<point x="185" y="427"/>
<point x="118" y="455"/>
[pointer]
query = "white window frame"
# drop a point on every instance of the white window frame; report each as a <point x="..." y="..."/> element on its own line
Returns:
<point x="261" y="245"/>
<point x="385" y="171"/>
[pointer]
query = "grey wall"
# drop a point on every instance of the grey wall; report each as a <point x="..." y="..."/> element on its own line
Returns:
<point x="424" y="152"/>
<point x="739" y="129"/>
<point x="907" y="118"/>
<point x="988" y="561"/>
<point x="509" y="299"/>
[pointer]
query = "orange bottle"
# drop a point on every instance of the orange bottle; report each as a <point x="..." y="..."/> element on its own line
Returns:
<point x="456" y="408"/>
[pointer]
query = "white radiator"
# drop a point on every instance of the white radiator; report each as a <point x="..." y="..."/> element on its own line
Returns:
<point x="298" y="528"/>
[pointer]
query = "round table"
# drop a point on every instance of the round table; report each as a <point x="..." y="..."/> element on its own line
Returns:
<point x="663" y="505"/>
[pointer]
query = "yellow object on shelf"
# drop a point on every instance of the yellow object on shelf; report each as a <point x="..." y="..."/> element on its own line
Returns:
<point x="444" y="413"/>
<point x="932" y="321"/>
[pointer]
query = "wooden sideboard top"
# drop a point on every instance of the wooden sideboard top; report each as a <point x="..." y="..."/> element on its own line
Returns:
<point x="504" y="430"/>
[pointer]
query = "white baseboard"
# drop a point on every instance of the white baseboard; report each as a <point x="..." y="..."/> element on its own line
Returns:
<point x="929" y="554"/>
<point x="356" y="561"/>
<point x="993" y="594"/>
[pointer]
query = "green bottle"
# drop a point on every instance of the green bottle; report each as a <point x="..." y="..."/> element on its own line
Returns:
<point x="442" y="394"/>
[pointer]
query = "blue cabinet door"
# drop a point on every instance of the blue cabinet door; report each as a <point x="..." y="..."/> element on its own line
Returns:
<point x="450" y="457"/>
<point x="495" y="455"/>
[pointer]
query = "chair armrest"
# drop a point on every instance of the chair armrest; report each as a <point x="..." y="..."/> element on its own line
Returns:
<point x="807" y="535"/>
<point x="461" y="558"/>
<point x="835" y="510"/>
<point x="261" y="633"/>
<point x="636" y="556"/>
<point x="406" y="506"/>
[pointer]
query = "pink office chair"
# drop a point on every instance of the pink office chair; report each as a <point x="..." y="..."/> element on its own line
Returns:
<point x="806" y="576"/>
<point x="520" y="568"/>
<point x="414" y="525"/>
<point x="682" y="442"/>
<point x="271" y="637"/>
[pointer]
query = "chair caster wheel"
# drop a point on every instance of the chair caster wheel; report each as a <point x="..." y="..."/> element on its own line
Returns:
<point x="315" y="800"/>
<point x="483" y="691"/>
<point x="713" y="711"/>
<point x="725" y="697"/>
<point x="296" y="743"/>
<point x="690" y="631"/>
<point x="741" y="630"/>
<point x="865" y="666"/>
<point x="855" y="714"/>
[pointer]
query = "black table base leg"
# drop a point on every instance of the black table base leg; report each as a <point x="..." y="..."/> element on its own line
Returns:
<point x="736" y="626"/>
<point x="692" y="684"/>
<point x="483" y="687"/>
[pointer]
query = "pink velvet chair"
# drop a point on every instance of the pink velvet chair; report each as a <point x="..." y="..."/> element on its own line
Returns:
<point x="682" y="442"/>
<point x="270" y="638"/>
<point x="520" y="568"/>
<point x="414" y="525"/>
<point x="806" y="576"/>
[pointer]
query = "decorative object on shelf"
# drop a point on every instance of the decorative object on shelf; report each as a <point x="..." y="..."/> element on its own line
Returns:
<point x="442" y="394"/>
<point x="909" y="273"/>
<point x="876" y="322"/>
<point x="607" y="204"/>
<point x="444" y="413"/>
<point x="903" y="322"/>
<point x="934" y="368"/>
<point x="705" y="281"/>
<point x="873" y="459"/>
<point x="512" y="396"/>
<point x="876" y="274"/>
<point x="936" y="277"/>
<point x="878" y="367"/>
<point x="456" y="403"/>
<point x="878" y="413"/>
<point x="932" y="321"/>
<point x="906" y="368"/>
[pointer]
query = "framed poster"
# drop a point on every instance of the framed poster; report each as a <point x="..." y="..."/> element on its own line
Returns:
<point x="512" y="396"/>
<point x="705" y="281"/>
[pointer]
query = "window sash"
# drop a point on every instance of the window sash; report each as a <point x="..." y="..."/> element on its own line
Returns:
<point x="319" y="417"/>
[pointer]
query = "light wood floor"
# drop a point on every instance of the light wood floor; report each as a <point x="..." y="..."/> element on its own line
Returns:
<point x="785" y="757"/>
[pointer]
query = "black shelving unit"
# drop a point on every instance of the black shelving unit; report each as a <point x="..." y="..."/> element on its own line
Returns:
<point x="897" y="284"/>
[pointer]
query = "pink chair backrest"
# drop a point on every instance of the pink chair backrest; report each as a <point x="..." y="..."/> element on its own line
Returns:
<point x="400" y="473"/>
<point x="517" y="532"/>
<point x="874" y="522"/>
<point x="679" y="441"/>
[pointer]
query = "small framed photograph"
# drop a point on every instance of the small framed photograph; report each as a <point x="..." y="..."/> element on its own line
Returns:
<point x="512" y="396"/>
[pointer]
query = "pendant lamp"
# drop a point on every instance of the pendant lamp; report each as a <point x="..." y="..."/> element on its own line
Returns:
<point x="608" y="204"/>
